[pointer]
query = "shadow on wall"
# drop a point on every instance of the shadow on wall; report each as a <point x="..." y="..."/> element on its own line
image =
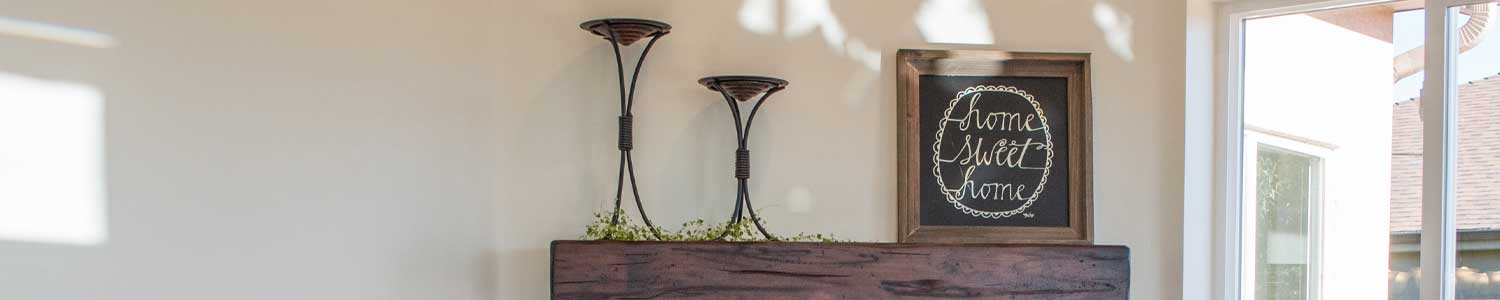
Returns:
<point x="802" y="17"/>
<point x="964" y="22"/>
<point x="834" y="54"/>
<point x="51" y="149"/>
<point x="938" y="21"/>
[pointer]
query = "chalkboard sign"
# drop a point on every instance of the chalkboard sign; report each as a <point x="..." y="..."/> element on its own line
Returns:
<point x="994" y="147"/>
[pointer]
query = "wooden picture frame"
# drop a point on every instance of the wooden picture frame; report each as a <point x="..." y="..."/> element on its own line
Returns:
<point x="949" y="69"/>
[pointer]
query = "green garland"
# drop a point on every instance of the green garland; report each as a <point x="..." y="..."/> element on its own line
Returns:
<point x="695" y="230"/>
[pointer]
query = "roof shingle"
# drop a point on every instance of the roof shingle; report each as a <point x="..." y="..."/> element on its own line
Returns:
<point x="1478" y="159"/>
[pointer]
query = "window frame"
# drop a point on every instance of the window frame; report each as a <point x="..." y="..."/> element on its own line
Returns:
<point x="1439" y="204"/>
<point x="1254" y="139"/>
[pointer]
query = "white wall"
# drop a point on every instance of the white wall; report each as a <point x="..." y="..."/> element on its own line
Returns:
<point x="274" y="150"/>
<point x="1199" y="281"/>
<point x="828" y="140"/>
<point x="347" y="149"/>
<point x="1299" y="69"/>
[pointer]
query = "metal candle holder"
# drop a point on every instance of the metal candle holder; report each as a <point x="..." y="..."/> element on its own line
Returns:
<point x="743" y="89"/>
<point x="624" y="32"/>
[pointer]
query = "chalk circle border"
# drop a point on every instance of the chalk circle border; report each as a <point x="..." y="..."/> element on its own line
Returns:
<point x="937" y="143"/>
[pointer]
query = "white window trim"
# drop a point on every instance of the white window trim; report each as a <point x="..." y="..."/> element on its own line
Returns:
<point x="1439" y="190"/>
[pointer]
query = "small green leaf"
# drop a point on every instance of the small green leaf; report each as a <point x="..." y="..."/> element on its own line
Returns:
<point x="695" y="230"/>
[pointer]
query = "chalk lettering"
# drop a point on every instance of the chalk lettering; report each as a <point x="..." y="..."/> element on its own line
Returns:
<point x="1003" y="131"/>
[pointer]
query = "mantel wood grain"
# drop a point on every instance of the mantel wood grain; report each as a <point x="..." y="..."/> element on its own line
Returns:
<point x="598" y="270"/>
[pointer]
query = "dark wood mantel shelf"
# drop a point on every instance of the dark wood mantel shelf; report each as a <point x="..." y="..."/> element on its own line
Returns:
<point x="599" y="270"/>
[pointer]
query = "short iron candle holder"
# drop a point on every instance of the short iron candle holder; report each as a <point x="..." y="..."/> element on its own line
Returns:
<point x="735" y="89"/>
<point x="624" y="32"/>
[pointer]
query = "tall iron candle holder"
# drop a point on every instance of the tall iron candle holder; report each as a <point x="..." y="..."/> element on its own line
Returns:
<point x="624" y="32"/>
<point x="734" y="89"/>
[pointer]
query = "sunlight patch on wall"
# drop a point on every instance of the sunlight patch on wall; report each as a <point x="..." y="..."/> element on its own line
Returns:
<point x="51" y="162"/>
<point x="954" y="22"/>
<point x="802" y="16"/>
<point x="1116" y="28"/>
<point x="758" y="16"/>
<point x="55" y="33"/>
<point x="799" y="200"/>
<point x="861" y="81"/>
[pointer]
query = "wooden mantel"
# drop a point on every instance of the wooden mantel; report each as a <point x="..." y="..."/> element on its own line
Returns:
<point x="599" y="270"/>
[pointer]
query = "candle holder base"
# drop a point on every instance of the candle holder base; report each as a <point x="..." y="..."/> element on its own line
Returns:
<point x="629" y="30"/>
<point x="742" y="87"/>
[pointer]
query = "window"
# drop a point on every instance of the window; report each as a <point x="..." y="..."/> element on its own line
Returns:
<point x="1287" y="192"/>
<point x="1355" y="150"/>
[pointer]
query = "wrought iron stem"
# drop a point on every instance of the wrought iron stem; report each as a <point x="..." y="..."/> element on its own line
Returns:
<point x="627" y="102"/>
<point x="742" y="159"/>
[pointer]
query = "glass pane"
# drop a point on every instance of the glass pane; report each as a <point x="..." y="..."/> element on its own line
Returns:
<point x="1332" y="153"/>
<point x="1478" y="139"/>
<point x="1284" y="188"/>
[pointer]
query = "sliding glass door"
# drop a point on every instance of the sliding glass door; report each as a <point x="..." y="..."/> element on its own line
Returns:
<point x="1470" y="143"/>
<point x="1362" y="146"/>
